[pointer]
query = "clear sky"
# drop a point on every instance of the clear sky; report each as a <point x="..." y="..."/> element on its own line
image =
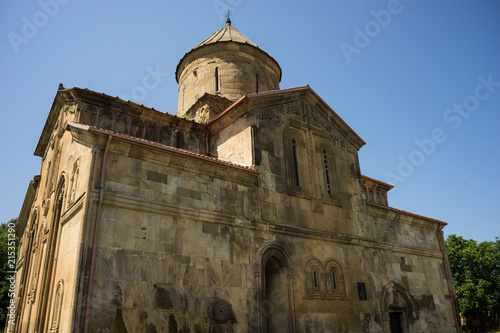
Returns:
<point x="418" y="80"/>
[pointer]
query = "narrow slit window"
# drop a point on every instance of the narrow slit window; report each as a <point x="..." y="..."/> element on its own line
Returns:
<point x="334" y="281"/>
<point x="327" y="172"/>
<point x="217" y="88"/>
<point x="315" y="279"/>
<point x="295" y="162"/>
<point x="256" y="83"/>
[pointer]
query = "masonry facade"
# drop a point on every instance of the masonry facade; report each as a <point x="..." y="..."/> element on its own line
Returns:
<point x="247" y="212"/>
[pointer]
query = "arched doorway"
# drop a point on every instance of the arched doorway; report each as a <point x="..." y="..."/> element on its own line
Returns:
<point x="397" y="308"/>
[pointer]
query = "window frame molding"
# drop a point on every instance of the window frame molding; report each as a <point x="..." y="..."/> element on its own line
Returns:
<point x="295" y="159"/>
<point x="323" y="147"/>
<point x="325" y="288"/>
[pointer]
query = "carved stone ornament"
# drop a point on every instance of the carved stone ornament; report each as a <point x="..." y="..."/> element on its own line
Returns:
<point x="304" y="109"/>
<point x="222" y="312"/>
<point x="275" y="111"/>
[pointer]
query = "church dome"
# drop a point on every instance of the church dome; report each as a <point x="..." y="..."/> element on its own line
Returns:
<point x="226" y="64"/>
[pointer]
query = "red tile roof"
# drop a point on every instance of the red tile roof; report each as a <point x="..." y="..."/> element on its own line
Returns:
<point x="405" y="213"/>
<point x="160" y="146"/>
<point x="377" y="181"/>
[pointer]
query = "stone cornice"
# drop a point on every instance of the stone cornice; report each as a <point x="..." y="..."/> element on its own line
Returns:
<point x="395" y="214"/>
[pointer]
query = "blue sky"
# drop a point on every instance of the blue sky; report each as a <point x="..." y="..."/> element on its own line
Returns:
<point x="418" y="80"/>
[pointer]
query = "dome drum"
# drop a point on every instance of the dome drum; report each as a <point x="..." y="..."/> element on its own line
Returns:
<point x="228" y="68"/>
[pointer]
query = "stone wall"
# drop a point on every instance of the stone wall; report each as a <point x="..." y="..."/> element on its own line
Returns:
<point x="49" y="255"/>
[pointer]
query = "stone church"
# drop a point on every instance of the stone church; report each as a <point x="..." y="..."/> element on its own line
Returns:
<point x="245" y="212"/>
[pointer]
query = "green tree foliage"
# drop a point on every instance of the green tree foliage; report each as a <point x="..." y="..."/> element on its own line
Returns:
<point x="5" y="266"/>
<point x="475" y="268"/>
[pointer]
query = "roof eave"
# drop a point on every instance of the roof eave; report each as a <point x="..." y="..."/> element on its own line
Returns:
<point x="154" y="145"/>
<point x="359" y="142"/>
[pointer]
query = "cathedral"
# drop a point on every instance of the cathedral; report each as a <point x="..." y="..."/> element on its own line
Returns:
<point x="245" y="212"/>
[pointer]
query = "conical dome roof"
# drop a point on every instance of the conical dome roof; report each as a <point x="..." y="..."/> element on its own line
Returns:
<point x="226" y="34"/>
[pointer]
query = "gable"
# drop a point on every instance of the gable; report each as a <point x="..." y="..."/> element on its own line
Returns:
<point x="302" y="102"/>
<point x="313" y="116"/>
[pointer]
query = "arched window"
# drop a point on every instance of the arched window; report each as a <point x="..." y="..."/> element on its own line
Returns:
<point x="216" y="76"/>
<point x="327" y="170"/>
<point x="179" y="140"/>
<point x="334" y="279"/>
<point x="295" y="163"/>
<point x="295" y="155"/>
<point x="333" y="276"/>
<point x="314" y="278"/>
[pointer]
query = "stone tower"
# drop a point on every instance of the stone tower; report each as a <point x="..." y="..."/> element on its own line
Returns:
<point x="222" y="69"/>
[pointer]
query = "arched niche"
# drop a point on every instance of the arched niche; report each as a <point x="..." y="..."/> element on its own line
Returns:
<point x="276" y="305"/>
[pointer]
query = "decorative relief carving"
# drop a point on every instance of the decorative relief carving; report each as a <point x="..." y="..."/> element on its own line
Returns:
<point x="275" y="111"/>
<point x="56" y="315"/>
<point x="74" y="181"/>
<point x="88" y="115"/>
<point x="36" y="255"/>
<point x="305" y="110"/>
<point x="222" y="312"/>
<point x="335" y="136"/>
<point x="194" y="143"/>
<point x="123" y="123"/>
<point x="317" y="206"/>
